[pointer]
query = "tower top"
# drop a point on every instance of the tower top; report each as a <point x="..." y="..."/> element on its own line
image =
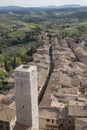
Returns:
<point x="25" y="68"/>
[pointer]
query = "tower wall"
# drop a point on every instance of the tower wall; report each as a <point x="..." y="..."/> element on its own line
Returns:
<point x="26" y="95"/>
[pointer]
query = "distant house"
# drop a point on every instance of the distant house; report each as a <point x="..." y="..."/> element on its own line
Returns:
<point x="81" y="124"/>
<point x="83" y="39"/>
<point x="77" y="109"/>
<point x="48" y="118"/>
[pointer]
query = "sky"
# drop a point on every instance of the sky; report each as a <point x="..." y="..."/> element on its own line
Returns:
<point x="37" y="3"/>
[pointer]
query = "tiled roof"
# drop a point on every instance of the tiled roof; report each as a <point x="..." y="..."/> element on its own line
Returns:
<point x="23" y="127"/>
<point x="6" y="113"/>
<point x="49" y="113"/>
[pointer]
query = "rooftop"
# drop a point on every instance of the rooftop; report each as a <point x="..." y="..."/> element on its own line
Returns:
<point x="23" y="127"/>
<point x="76" y="103"/>
<point x="25" y="68"/>
<point x="82" y="119"/>
<point x="48" y="113"/>
<point x="6" y="113"/>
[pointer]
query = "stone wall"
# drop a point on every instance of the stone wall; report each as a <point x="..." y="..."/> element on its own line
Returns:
<point x="26" y="95"/>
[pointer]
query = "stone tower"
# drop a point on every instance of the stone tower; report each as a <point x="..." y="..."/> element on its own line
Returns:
<point x="26" y="95"/>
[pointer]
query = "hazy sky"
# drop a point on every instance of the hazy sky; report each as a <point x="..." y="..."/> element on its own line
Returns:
<point x="36" y="3"/>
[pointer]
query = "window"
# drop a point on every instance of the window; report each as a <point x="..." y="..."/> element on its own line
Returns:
<point x="57" y="121"/>
<point x="46" y="125"/>
<point x="52" y="121"/>
<point x="7" y="128"/>
<point x="69" y="122"/>
<point x="51" y="126"/>
<point x="48" y="120"/>
<point x="61" y="125"/>
<point x="55" y="126"/>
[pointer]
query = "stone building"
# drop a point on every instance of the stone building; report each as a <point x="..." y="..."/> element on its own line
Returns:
<point x="66" y="122"/>
<point x="26" y="96"/>
<point x="77" y="109"/>
<point x="48" y="118"/>
<point x="7" y="117"/>
<point x="83" y="40"/>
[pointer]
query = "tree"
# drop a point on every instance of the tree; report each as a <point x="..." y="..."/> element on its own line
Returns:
<point x="6" y="65"/>
<point x="18" y="61"/>
<point x="38" y="29"/>
<point x="1" y="59"/>
<point x="2" y="74"/>
<point x="31" y="51"/>
<point x="22" y="50"/>
<point x="14" y="62"/>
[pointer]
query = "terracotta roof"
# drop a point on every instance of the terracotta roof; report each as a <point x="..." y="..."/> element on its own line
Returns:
<point x="55" y="102"/>
<point x="76" y="103"/>
<point x="82" y="119"/>
<point x="6" y="113"/>
<point x="23" y="127"/>
<point x="13" y="105"/>
<point x="49" y="113"/>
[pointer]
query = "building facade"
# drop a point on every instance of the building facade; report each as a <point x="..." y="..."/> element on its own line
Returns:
<point x="48" y="118"/>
